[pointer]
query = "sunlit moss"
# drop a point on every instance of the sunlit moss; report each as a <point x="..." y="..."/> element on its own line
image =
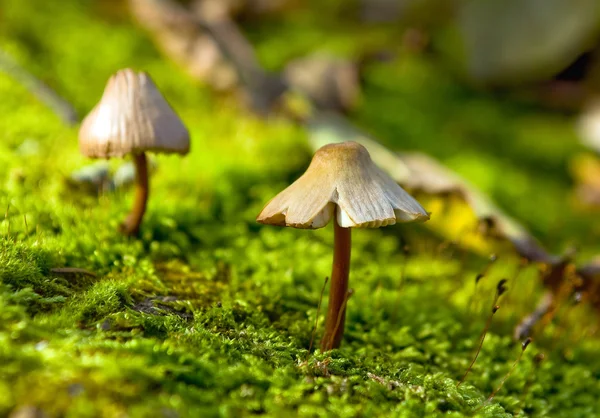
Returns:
<point x="210" y="314"/>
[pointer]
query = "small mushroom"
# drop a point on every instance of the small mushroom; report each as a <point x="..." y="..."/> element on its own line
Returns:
<point x="342" y="183"/>
<point x="132" y="117"/>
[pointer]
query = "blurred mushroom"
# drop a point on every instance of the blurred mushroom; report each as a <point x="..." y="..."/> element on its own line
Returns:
<point x="341" y="183"/>
<point x="132" y="117"/>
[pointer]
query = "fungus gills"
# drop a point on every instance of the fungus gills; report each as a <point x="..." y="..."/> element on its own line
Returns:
<point x="131" y="225"/>
<point x="336" y="308"/>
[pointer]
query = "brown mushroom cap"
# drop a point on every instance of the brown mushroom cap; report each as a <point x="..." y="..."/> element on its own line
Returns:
<point x="343" y="176"/>
<point x="132" y="117"/>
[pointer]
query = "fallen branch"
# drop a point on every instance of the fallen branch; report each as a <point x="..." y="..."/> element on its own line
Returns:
<point x="190" y="39"/>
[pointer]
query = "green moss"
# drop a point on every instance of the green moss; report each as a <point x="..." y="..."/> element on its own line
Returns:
<point x="210" y="314"/>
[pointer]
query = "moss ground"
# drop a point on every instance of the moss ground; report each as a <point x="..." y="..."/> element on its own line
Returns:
<point x="208" y="313"/>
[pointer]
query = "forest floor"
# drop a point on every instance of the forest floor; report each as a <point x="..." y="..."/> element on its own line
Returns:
<point x="208" y="313"/>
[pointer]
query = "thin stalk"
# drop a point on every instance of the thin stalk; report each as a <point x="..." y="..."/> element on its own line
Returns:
<point x="132" y="223"/>
<point x="336" y="309"/>
<point x="314" y="332"/>
<point x="524" y="346"/>
<point x="341" y="314"/>
<point x="500" y="290"/>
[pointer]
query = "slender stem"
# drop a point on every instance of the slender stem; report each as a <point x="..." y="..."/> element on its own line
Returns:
<point x="336" y="310"/>
<point x="341" y="315"/>
<point x="312" y="337"/>
<point x="132" y="223"/>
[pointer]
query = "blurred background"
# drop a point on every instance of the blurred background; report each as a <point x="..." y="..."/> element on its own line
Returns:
<point x="488" y="111"/>
<point x="502" y="93"/>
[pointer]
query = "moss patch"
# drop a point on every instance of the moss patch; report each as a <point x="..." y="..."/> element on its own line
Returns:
<point x="210" y="314"/>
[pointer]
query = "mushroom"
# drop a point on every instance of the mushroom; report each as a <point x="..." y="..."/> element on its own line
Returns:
<point x="342" y="183"/>
<point x="132" y="117"/>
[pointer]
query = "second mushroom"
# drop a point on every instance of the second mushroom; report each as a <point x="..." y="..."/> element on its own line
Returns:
<point x="133" y="118"/>
<point x="342" y="183"/>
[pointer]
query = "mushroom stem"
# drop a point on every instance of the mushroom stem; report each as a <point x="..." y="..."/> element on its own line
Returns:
<point x="336" y="310"/>
<point x="132" y="223"/>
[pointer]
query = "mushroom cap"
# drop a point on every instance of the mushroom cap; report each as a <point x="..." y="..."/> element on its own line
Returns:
<point x="132" y="117"/>
<point x="342" y="177"/>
